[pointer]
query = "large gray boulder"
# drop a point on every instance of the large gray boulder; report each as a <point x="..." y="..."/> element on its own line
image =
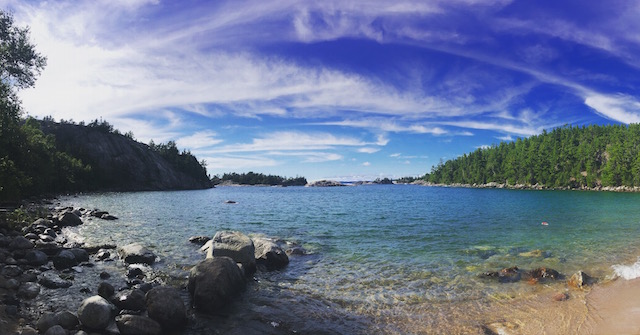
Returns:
<point x="95" y="312"/>
<point x="133" y="300"/>
<point x="137" y="325"/>
<point x="29" y="290"/>
<point x="69" y="219"/>
<point x="165" y="305"/>
<point x="235" y="245"/>
<point x="64" y="260"/>
<point x="269" y="254"/>
<point x="53" y="281"/>
<point x="136" y="253"/>
<point x="214" y="282"/>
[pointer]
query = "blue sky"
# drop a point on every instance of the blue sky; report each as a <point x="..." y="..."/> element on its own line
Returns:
<point x="334" y="89"/>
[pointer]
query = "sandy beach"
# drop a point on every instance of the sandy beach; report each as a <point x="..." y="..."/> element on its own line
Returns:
<point x="605" y="308"/>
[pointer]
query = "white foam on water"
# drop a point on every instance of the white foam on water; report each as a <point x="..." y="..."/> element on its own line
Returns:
<point x="627" y="272"/>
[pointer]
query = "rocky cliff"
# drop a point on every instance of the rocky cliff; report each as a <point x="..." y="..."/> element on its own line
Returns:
<point x="118" y="163"/>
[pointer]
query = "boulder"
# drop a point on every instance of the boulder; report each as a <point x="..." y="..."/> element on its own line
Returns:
<point x="64" y="260"/>
<point x="269" y="254"/>
<point x="108" y="217"/>
<point x="66" y="319"/>
<point x="11" y="271"/>
<point x="136" y="253"/>
<point x="29" y="290"/>
<point x="53" y="281"/>
<point x="9" y="284"/>
<point x="46" y="321"/>
<point x="95" y="312"/>
<point x="69" y="219"/>
<point x="133" y="300"/>
<point x="214" y="282"/>
<point x="21" y="242"/>
<point x="137" y="325"/>
<point x="235" y="245"/>
<point x="580" y="280"/>
<point x="199" y="240"/>
<point x="36" y="257"/>
<point x="80" y="254"/>
<point x="106" y="290"/>
<point x="506" y="275"/>
<point x="165" y="305"/>
<point x="56" y="330"/>
<point x="26" y="330"/>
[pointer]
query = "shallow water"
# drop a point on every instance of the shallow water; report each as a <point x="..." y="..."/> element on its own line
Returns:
<point x="383" y="258"/>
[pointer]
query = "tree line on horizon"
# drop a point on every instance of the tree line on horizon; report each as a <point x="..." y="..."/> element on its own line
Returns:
<point x="586" y="156"/>
<point x="252" y="178"/>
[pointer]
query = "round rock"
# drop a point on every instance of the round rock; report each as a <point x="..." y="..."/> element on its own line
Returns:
<point x="137" y="325"/>
<point x="29" y="290"/>
<point x="95" y="312"/>
<point x="165" y="305"/>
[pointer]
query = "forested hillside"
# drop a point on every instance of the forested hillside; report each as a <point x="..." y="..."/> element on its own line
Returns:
<point x="588" y="156"/>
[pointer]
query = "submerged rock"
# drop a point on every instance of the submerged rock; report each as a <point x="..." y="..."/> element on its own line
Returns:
<point x="214" y="282"/>
<point x="53" y="281"/>
<point x="545" y="273"/>
<point x="136" y="253"/>
<point x="235" y="245"/>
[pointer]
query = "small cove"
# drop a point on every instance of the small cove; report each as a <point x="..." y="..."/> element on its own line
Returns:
<point x="379" y="256"/>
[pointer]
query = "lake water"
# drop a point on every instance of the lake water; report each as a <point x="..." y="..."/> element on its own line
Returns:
<point x="382" y="258"/>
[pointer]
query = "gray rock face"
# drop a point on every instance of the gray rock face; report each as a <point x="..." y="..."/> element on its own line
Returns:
<point x="199" y="240"/>
<point x="214" y="282"/>
<point x="235" y="245"/>
<point x="165" y="305"/>
<point x="137" y="325"/>
<point x="269" y="254"/>
<point x="95" y="312"/>
<point x="136" y="253"/>
<point x="121" y="164"/>
<point x="69" y="219"/>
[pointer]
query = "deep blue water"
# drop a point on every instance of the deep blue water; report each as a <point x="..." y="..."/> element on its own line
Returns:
<point x="382" y="247"/>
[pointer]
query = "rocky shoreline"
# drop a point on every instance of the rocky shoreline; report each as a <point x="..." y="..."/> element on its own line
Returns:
<point x="630" y="189"/>
<point x="51" y="285"/>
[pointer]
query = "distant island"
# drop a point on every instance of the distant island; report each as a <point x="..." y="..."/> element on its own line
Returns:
<point x="253" y="179"/>
<point x="588" y="157"/>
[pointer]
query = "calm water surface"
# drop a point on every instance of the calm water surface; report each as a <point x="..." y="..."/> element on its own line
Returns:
<point x="383" y="258"/>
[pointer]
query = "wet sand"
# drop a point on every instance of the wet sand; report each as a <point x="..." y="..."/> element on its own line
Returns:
<point x="605" y="308"/>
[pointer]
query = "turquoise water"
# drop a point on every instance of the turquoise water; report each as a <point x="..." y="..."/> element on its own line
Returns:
<point x="381" y="253"/>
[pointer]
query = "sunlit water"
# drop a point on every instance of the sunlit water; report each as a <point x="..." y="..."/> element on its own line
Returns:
<point x="393" y="258"/>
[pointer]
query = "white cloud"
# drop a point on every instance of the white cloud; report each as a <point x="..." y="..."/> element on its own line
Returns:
<point x="395" y="155"/>
<point x="294" y="140"/>
<point x="368" y="150"/>
<point x="621" y="108"/>
<point x="230" y="163"/>
<point x="200" y="139"/>
<point x="366" y="164"/>
<point x="506" y="138"/>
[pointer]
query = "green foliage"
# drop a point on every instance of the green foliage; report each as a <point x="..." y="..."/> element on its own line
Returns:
<point x="20" y="64"/>
<point x="383" y="181"/>
<point x="252" y="178"/>
<point x="183" y="161"/>
<point x="589" y="156"/>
